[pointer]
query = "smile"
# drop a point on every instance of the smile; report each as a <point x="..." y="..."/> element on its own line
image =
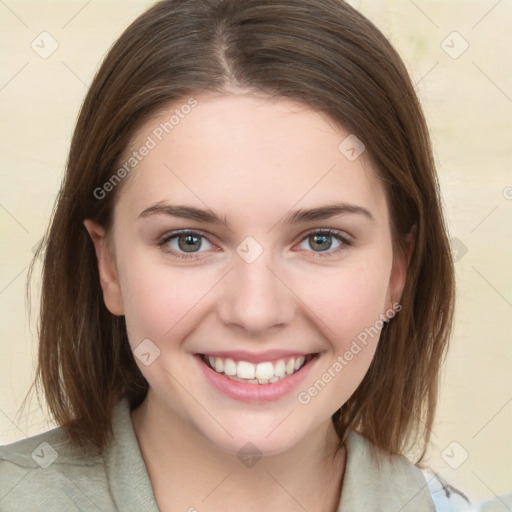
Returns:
<point x="267" y="372"/>
<point x="266" y="378"/>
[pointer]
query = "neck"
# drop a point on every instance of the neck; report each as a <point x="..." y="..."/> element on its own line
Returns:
<point x="188" y="472"/>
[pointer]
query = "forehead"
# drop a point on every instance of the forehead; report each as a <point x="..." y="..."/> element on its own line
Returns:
<point x="252" y="155"/>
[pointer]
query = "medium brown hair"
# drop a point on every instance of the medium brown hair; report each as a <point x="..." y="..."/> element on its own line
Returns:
<point x="322" y="53"/>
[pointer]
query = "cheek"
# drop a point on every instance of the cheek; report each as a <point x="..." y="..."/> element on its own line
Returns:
<point x="160" y="300"/>
<point x="349" y="303"/>
<point x="347" y="299"/>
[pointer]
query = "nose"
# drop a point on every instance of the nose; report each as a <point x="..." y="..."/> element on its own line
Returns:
<point x="255" y="297"/>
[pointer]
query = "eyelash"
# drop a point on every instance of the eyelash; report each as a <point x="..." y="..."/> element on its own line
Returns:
<point x="346" y="242"/>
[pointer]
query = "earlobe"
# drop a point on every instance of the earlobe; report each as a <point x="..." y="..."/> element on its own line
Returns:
<point x="106" y="267"/>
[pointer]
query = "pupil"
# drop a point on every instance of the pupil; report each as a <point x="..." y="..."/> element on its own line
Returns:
<point x="323" y="239"/>
<point x="191" y="240"/>
<point x="188" y="245"/>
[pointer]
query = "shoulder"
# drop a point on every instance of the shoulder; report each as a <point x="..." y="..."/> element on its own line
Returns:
<point x="37" y="471"/>
<point x="445" y="497"/>
<point x="48" y="472"/>
<point x="378" y="480"/>
<point x="395" y="482"/>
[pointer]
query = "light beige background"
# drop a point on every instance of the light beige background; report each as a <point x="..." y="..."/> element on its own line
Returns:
<point x="468" y="104"/>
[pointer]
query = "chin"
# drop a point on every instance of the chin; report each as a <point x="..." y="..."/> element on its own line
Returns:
<point x="264" y="438"/>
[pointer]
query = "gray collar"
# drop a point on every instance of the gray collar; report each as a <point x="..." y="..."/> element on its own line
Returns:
<point x="375" y="481"/>
<point x="127" y="473"/>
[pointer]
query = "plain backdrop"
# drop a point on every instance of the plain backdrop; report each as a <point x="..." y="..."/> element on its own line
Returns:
<point x="458" y="54"/>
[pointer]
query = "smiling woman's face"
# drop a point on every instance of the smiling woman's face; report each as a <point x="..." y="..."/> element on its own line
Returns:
<point x="260" y="284"/>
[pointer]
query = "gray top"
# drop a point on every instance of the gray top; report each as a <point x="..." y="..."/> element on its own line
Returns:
<point x="47" y="473"/>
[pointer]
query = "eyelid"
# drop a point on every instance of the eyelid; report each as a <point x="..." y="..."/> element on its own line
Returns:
<point x="171" y="235"/>
<point x="328" y="231"/>
<point x="345" y="239"/>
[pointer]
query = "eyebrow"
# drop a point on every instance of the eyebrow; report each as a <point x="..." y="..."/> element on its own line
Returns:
<point x="293" y="217"/>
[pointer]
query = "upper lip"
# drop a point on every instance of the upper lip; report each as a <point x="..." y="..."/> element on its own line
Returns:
<point x="256" y="357"/>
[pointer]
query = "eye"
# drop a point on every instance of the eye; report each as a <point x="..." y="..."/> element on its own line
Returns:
<point x="322" y="240"/>
<point x="183" y="244"/>
<point x="186" y="244"/>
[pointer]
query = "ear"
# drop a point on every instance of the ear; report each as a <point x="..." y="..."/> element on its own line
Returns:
<point x="399" y="270"/>
<point x="106" y="267"/>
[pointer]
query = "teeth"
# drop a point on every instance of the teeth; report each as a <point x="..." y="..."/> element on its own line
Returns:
<point x="264" y="371"/>
<point x="299" y="362"/>
<point x="261" y="373"/>
<point x="245" y="370"/>
<point x="229" y="367"/>
<point x="279" y="368"/>
<point x="219" y="365"/>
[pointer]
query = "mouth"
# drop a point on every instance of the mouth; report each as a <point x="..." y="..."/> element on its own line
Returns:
<point x="262" y="373"/>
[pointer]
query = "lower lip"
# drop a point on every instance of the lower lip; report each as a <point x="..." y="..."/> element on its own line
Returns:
<point x="246" y="392"/>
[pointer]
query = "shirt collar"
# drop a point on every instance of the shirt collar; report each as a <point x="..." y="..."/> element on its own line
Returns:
<point x="127" y="473"/>
<point x="376" y="481"/>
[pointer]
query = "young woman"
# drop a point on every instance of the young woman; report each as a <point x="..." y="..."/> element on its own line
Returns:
<point x="248" y="288"/>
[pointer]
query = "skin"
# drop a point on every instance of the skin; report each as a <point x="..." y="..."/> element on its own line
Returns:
<point x="252" y="160"/>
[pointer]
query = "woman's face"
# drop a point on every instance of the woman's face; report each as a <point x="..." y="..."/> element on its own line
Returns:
<point x="257" y="281"/>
